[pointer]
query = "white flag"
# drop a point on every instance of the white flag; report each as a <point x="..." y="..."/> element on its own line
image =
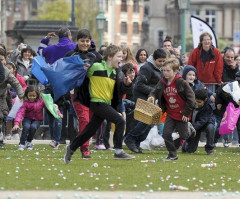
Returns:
<point x="198" y="27"/>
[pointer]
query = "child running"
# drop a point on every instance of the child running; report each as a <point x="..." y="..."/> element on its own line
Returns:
<point x="32" y="114"/>
<point x="176" y="97"/>
<point x="104" y="99"/>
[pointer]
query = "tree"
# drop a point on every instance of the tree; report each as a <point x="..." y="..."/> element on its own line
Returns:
<point x="58" y="10"/>
<point x="86" y="12"/>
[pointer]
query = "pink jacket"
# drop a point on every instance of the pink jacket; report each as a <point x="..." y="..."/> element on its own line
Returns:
<point x="30" y="110"/>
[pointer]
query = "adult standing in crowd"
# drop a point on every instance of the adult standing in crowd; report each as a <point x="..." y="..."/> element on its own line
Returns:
<point x="230" y="67"/>
<point x="207" y="60"/>
<point x="52" y="53"/>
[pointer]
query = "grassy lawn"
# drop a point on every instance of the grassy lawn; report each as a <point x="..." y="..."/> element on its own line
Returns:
<point x="44" y="169"/>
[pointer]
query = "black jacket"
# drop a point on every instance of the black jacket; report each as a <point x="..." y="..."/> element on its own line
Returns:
<point x="229" y="74"/>
<point x="204" y="117"/>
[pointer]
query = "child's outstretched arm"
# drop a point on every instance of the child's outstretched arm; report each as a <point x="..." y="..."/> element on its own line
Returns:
<point x="16" y="127"/>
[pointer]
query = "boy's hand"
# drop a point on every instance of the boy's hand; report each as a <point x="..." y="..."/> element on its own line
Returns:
<point x="16" y="127"/>
<point x="151" y="99"/>
<point x="60" y="115"/>
<point x="219" y="106"/>
<point x="185" y="119"/>
<point x="127" y="81"/>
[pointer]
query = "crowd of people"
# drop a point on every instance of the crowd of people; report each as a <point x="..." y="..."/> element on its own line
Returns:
<point x="188" y="88"/>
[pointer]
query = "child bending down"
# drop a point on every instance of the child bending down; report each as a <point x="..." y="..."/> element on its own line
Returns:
<point x="32" y="114"/>
<point x="202" y="120"/>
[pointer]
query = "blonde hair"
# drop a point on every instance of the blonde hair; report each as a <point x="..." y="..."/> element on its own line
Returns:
<point x="110" y="51"/>
<point x="173" y="63"/>
<point x="130" y="57"/>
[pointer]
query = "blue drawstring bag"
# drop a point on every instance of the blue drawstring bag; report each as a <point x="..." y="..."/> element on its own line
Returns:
<point x="38" y="63"/>
<point x="65" y="74"/>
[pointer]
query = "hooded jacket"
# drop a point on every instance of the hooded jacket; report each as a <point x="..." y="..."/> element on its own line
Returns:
<point x="183" y="90"/>
<point x="22" y="69"/>
<point x="148" y="77"/>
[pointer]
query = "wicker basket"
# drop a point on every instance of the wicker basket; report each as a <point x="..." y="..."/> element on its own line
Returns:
<point x="147" y="112"/>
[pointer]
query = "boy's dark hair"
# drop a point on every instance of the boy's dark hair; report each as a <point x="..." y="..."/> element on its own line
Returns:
<point x="201" y="94"/>
<point x="138" y="53"/>
<point x="28" y="48"/>
<point x="168" y="38"/>
<point x="127" y="67"/>
<point x="159" y="53"/>
<point x="110" y="51"/>
<point x="84" y="33"/>
<point x="63" y="32"/>
<point x="31" y="89"/>
<point x="3" y="52"/>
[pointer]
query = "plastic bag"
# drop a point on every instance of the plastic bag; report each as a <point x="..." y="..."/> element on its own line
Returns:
<point x="234" y="90"/>
<point x="15" y="108"/>
<point x="65" y="74"/>
<point x="38" y="63"/>
<point x="48" y="101"/>
<point x="229" y="119"/>
<point x="146" y="143"/>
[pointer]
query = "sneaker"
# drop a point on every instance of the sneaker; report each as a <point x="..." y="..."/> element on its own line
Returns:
<point x="8" y="137"/>
<point x="100" y="147"/>
<point x="191" y="129"/>
<point x="86" y="154"/>
<point x="123" y="156"/>
<point x="21" y="147"/>
<point x="68" y="155"/>
<point x="210" y="152"/>
<point x="2" y="143"/>
<point x="171" y="157"/>
<point x="226" y="143"/>
<point x="15" y="137"/>
<point x="29" y="146"/>
<point x="54" y="144"/>
<point x="132" y="146"/>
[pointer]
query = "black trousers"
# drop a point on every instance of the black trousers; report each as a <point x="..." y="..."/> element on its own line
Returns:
<point x="191" y="144"/>
<point x="101" y="111"/>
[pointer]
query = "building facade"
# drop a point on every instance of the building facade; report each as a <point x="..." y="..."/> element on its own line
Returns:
<point x="162" y="18"/>
<point x="123" y="22"/>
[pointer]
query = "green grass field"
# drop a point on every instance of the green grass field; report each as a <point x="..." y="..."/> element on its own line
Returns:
<point x="44" y="169"/>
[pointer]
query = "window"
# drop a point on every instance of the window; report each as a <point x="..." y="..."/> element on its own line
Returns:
<point x="106" y="26"/>
<point x="106" y="5"/>
<point x="17" y="5"/>
<point x="160" y="39"/>
<point x="124" y="27"/>
<point x="195" y="12"/>
<point x="136" y="6"/>
<point x="135" y="28"/>
<point x="211" y="18"/>
<point x="124" y="6"/>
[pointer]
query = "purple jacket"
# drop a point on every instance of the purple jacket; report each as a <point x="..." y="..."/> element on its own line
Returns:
<point x="30" y="110"/>
<point x="52" y="53"/>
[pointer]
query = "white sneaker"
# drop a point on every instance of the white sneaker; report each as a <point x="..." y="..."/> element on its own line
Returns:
<point x="54" y="144"/>
<point x="21" y="147"/>
<point x="15" y="137"/>
<point x="29" y="146"/>
<point x="100" y="147"/>
<point x="8" y="137"/>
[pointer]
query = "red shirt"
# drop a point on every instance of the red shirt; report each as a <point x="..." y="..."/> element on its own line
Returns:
<point x="175" y="104"/>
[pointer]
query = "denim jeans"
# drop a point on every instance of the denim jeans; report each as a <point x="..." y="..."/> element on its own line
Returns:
<point x="139" y="133"/>
<point x="29" y="128"/>
<point x="55" y="127"/>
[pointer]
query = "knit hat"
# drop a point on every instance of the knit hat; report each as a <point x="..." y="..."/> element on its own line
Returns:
<point x="187" y="69"/>
<point x="238" y="76"/>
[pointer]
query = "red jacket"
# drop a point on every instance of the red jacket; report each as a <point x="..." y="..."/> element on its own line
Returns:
<point x="212" y="70"/>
